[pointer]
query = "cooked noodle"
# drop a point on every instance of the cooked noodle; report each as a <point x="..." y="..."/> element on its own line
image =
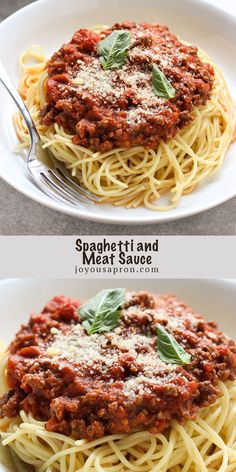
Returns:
<point x="206" y="444"/>
<point x="135" y="176"/>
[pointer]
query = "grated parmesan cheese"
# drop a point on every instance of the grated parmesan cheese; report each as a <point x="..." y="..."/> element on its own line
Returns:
<point x="78" y="81"/>
<point x="131" y="349"/>
<point x="53" y="351"/>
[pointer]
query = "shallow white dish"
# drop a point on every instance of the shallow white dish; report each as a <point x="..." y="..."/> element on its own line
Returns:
<point x="214" y="299"/>
<point x="52" y="22"/>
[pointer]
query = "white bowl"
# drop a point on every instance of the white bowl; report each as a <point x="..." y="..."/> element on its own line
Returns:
<point x="214" y="299"/>
<point x="49" y="23"/>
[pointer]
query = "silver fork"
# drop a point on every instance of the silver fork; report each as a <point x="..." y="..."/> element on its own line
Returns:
<point x="51" y="177"/>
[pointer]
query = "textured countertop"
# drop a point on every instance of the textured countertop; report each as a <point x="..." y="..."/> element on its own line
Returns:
<point x="19" y="215"/>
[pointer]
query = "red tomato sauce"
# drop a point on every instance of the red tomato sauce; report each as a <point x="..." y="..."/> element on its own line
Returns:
<point x="117" y="108"/>
<point x="115" y="382"/>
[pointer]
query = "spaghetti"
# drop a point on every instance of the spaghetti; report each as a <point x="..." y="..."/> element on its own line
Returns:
<point x="205" y="444"/>
<point x="135" y="176"/>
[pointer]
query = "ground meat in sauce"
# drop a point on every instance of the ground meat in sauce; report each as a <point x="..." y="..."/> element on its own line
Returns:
<point x="110" y="383"/>
<point x="107" y="109"/>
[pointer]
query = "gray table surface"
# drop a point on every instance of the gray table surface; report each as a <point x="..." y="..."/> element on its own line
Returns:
<point x="19" y="215"/>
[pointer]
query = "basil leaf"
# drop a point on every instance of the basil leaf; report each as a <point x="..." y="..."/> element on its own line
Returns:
<point x="102" y="312"/>
<point x="169" y="349"/>
<point x="161" y="86"/>
<point x="113" y="49"/>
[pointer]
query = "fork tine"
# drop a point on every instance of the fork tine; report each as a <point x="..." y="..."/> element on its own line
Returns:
<point x="78" y="188"/>
<point x="47" y="189"/>
<point x="39" y="159"/>
<point x="73" y="193"/>
<point x="58" y="190"/>
<point x="41" y="174"/>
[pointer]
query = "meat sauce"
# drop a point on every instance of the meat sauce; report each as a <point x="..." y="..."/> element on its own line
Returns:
<point x="90" y="386"/>
<point x="107" y="109"/>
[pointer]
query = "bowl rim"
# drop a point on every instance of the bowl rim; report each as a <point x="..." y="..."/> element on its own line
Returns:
<point x="152" y="217"/>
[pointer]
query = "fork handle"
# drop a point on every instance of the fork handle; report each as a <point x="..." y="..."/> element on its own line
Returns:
<point x="6" y="81"/>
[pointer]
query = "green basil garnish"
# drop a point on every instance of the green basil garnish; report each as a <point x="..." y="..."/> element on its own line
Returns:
<point x="101" y="313"/>
<point x="161" y="86"/>
<point x="169" y="349"/>
<point x="113" y="49"/>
